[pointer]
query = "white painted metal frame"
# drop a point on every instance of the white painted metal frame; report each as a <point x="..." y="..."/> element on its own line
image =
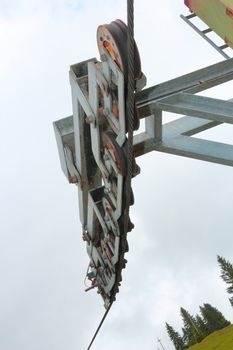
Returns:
<point x="87" y="163"/>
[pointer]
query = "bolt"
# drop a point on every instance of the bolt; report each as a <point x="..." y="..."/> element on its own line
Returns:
<point x="106" y="157"/>
<point x="73" y="179"/>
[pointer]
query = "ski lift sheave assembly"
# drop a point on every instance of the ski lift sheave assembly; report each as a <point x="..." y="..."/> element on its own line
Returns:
<point x="94" y="154"/>
<point x="93" y="142"/>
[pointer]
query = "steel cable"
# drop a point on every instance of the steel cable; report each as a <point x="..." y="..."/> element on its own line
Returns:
<point x="100" y="325"/>
<point x="130" y="105"/>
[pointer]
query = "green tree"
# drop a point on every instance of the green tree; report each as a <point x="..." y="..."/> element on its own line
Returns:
<point x="188" y="337"/>
<point x="213" y="318"/>
<point x="227" y="275"/>
<point x="202" y="325"/>
<point x="192" y="333"/>
<point x="175" y="338"/>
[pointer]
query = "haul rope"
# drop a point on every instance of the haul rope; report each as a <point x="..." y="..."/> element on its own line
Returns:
<point x="100" y="325"/>
<point x="130" y="104"/>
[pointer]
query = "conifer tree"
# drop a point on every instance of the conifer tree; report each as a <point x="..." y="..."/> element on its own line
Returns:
<point x="227" y="275"/>
<point x="213" y="318"/>
<point x="175" y="338"/>
<point x="192" y="333"/>
<point x="188" y="337"/>
<point x="202" y="325"/>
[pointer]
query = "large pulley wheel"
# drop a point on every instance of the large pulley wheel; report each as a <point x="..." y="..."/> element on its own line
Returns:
<point x="113" y="38"/>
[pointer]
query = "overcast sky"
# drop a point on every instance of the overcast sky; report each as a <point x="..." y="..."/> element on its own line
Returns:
<point x="183" y="207"/>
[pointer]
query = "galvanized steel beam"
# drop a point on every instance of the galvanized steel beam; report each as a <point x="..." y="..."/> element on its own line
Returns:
<point x="210" y="151"/>
<point x="199" y="106"/>
<point x="194" y="82"/>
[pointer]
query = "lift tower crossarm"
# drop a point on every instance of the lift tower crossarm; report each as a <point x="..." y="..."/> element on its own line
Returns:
<point x="194" y="82"/>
